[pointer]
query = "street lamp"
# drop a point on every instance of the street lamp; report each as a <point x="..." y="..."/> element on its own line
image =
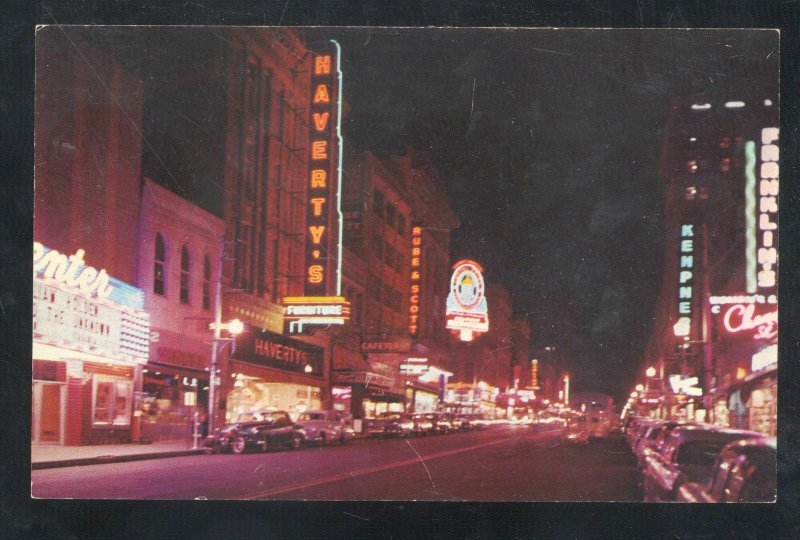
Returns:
<point x="234" y="328"/>
<point x="650" y="372"/>
<point x="640" y="387"/>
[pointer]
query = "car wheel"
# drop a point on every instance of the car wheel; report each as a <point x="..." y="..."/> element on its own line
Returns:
<point x="296" y="441"/>
<point x="239" y="445"/>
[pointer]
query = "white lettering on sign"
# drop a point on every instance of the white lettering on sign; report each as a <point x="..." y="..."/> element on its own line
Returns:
<point x="286" y="353"/>
<point x="67" y="270"/>
<point x="314" y="310"/>
<point x="743" y="318"/>
<point x="767" y="256"/>
<point x="764" y="358"/>
<point x="686" y="270"/>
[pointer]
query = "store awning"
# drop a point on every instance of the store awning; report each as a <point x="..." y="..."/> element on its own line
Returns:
<point x="347" y="359"/>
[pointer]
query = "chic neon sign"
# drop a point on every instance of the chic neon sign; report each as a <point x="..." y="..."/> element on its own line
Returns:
<point x="70" y="271"/>
<point x="467" y="310"/>
<point x="743" y="318"/>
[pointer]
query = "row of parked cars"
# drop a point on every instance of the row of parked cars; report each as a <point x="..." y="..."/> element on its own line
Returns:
<point x="403" y="424"/>
<point x="694" y="462"/>
<point x="274" y="428"/>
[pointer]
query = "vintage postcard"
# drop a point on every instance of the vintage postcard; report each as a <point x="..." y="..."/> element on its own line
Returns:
<point x="428" y="264"/>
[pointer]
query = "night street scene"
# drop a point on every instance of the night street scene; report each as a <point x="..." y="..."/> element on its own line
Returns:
<point x="428" y="264"/>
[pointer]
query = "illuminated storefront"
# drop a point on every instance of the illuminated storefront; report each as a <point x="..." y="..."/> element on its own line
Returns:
<point x="90" y="339"/>
<point x="272" y="371"/>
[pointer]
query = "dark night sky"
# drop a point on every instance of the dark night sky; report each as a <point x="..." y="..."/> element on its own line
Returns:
<point x="549" y="142"/>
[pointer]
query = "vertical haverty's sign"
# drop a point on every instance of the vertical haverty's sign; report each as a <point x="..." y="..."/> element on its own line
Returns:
<point x="415" y="290"/>
<point x="322" y="303"/>
<point x="467" y="309"/>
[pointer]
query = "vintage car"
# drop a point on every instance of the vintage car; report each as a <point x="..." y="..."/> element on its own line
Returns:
<point x="423" y="423"/>
<point x="261" y="430"/>
<point x="577" y="430"/>
<point x="687" y="455"/>
<point x="323" y="426"/>
<point x="745" y="471"/>
<point x="391" y="424"/>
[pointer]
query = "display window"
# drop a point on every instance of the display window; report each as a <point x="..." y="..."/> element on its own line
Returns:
<point x="111" y="401"/>
<point x="251" y="395"/>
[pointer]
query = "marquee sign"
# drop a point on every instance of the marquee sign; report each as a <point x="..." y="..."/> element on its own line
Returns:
<point x="81" y="308"/>
<point x="761" y="212"/>
<point x="324" y="221"/>
<point x="466" y="308"/>
<point x="416" y="257"/>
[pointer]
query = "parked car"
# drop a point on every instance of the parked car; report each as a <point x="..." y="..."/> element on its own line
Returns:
<point x="661" y="434"/>
<point x="323" y="426"/>
<point x="688" y="455"/>
<point x="391" y="424"/>
<point x="262" y="430"/>
<point x="745" y="471"/>
<point x="423" y="423"/>
<point x="442" y="422"/>
<point x="577" y="430"/>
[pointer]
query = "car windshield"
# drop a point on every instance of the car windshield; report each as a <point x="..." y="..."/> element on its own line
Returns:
<point x="311" y="416"/>
<point x="702" y="453"/>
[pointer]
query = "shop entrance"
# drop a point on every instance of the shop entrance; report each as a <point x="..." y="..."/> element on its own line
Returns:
<point x="48" y="413"/>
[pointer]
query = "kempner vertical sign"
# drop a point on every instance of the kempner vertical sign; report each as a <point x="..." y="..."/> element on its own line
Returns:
<point x="322" y="303"/>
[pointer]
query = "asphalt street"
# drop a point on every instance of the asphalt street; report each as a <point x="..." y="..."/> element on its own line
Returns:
<point x="501" y="463"/>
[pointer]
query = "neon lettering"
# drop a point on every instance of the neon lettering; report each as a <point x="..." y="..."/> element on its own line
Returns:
<point x="742" y="318"/>
<point x="321" y="94"/>
<point x="317" y="203"/>
<point x="319" y="150"/>
<point x="320" y="120"/>
<point x="318" y="177"/>
<point x="56" y="266"/>
<point x="322" y="65"/>
<point x="316" y="232"/>
<point x="315" y="273"/>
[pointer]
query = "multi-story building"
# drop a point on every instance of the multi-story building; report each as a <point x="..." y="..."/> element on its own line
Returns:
<point x="179" y="254"/>
<point x="90" y="331"/>
<point x="716" y="316"/>
<point x="228" y="125"/>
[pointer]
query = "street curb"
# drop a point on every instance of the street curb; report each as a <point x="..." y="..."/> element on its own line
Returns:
<point x="97" y="460"/>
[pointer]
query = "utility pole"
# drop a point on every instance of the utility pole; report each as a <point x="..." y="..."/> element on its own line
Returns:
<point x="212" y="376"/>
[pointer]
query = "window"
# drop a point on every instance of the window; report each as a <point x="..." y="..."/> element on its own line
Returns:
<point x="184" y="294"/>
<point x="391" y="212"/>
<point x="206" y="283"/>
<point x="158" y="266"/>
<point x="111" y="401"/>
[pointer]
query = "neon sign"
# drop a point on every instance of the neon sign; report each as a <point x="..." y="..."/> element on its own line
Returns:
<point x="768" y="210"/>
<point x="416" y="257"/>
<point x="686" y="271"/>
<point x="70" y="271"/>
<point x="300" y="311"/>
<point x="466" y="308"/>
<point x="324" y="203"/>
<point x="743" y="318"/>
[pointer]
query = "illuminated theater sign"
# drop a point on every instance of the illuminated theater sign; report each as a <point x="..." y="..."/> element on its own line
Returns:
<point x="413" y="301"/>
<point x="322" y="303"/>
<point x="467" y="310"/>
<point x="81" y="308"/>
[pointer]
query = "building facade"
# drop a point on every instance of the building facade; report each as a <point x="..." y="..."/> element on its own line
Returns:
<point x="715" y="337"/>
<point x="90" y="329"/>
<point x="179" y="252"/>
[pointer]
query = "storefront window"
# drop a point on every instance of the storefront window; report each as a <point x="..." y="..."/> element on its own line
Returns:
<point x="206" y="283"/>
<point x="111" y="402"/>
<point x="158" y="266"/>
<point x="184" y="294"/>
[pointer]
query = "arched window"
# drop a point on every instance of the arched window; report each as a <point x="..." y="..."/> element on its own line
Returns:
<point x="206" y="283"/>
<point x="184" y="296"/>
<point x="158" y="265"/>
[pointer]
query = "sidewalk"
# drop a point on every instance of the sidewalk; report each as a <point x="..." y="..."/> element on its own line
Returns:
<point x="48" y="457"/>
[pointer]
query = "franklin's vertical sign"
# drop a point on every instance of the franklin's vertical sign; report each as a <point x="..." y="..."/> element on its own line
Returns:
<point x="322" y="303"/>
